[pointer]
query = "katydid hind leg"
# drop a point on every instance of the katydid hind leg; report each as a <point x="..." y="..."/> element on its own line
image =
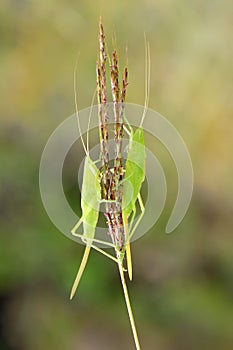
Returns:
<point x="104" y="253"/>
<point x="132" y="219"/>
<point x="129" y="261"/>
<point x="128" y="248"/>
<point x="80" y="271"/>
<point x="85" y="239"/>
<point x="142" y="207"/>
<point x="76" y="226"/>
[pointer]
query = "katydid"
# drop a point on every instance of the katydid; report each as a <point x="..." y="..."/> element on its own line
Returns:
<point x="135" y="169"/>
<point x="90" y="202"/>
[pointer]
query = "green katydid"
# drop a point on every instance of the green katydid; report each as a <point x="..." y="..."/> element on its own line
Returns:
<point x="135" y="169"/>
<point x="90" y="202"/>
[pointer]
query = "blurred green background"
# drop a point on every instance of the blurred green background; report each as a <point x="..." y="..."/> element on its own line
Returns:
<point x="182" y="289"/>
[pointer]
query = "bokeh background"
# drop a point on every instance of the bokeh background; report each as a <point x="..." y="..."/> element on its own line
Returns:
<point x="182" y="288"/>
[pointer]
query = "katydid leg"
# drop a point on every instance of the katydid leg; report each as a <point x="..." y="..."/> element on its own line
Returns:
<point x="140" y="216"/>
